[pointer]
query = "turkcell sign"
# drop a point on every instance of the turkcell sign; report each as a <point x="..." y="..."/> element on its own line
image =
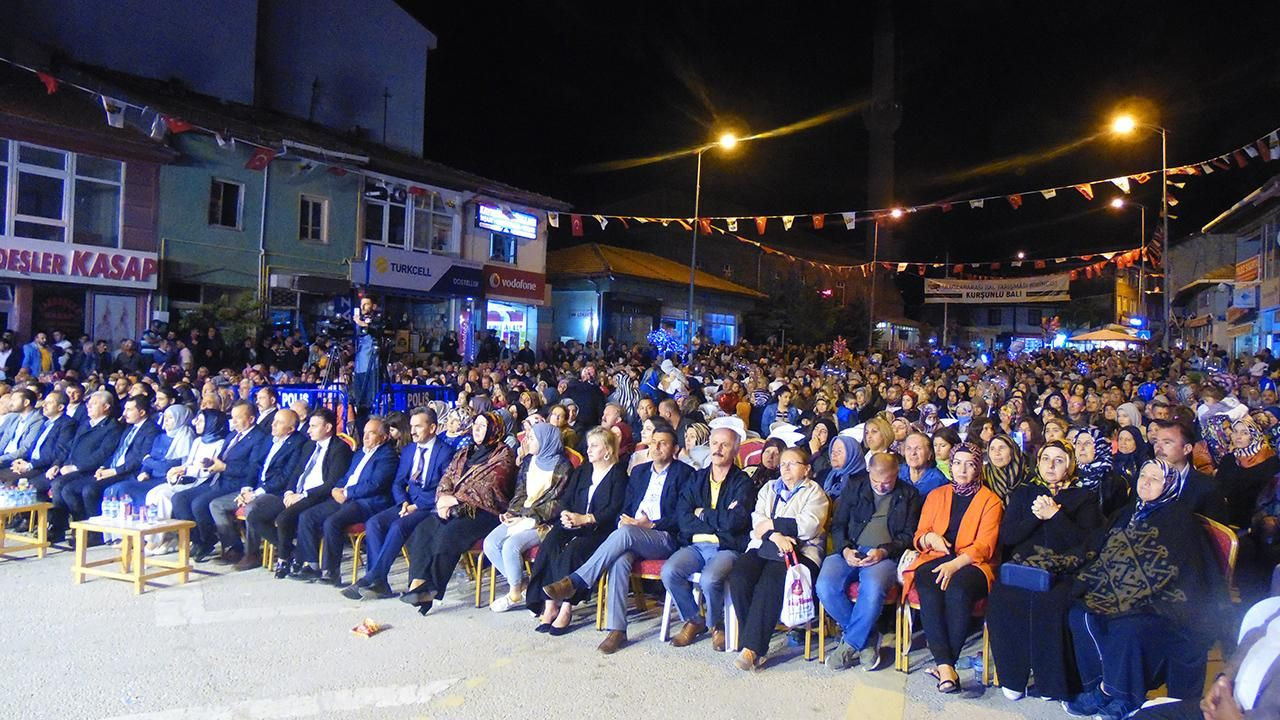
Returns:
<point x="418" y="272"/>
<point x="84" y="264"/>
<point x="506" y="220"/>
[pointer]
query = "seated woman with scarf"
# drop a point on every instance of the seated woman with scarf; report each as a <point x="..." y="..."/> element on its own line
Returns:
<point x="1132" y="452"/>
<point x="957" y="540"/>
<point x="790" y="516"/>
<point x="1093" y="458"/>
<point x="847" y="466"/>
<point x="1151" y="602"/>
<point x="535" y="504"/>
<point x="944" y="441"/>
<point x="474" y="490"/>
<point x="820" y="434"/>
<point x="1245" y="470"/>
<point x="697" y="448"/>
<point x="1007" y="469"/>
<point x="1043" y="520"/>
<point x="769" y="468"/>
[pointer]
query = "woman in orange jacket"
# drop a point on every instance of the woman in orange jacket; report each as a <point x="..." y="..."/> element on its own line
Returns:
<point x="957" y="539"/>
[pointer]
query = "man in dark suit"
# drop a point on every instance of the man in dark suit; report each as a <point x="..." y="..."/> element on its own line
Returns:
<point x="238" y="465"/>
<point x="422" y="463"/>
<point x="1172" y="442"/>
<point x="282" y="453"/>
<point x="53" y="438"/>
<point x="647" y="530"/>
<point x="268" y="402"/>
<point x="77" y="409"/>
<point x="25" y="428"/>
<point x="10" y="359"/>
<point x="94" y="442"/>
<point x="714" y="524"/>
<point x="364" y="491"/>
<point x="320" y="464"/>
<point x="137" y="434"/>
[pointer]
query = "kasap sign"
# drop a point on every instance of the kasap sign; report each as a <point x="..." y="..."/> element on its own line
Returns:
<point x="504" y="282"/>
<point x="66" y="262"/>
<point x="419" y="272"/>
<point x="1045" y="288"/>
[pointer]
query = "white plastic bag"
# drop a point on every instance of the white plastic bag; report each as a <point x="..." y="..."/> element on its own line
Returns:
<point x="797" y="594"/>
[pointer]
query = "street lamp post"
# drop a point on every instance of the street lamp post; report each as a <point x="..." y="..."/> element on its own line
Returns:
<point x="726" y="142"/>
<point x="1123" y="125"/>
<point x="1142" y="249"/>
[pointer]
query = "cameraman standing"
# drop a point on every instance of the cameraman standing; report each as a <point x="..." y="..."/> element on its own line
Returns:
<point x="368" y="331"/>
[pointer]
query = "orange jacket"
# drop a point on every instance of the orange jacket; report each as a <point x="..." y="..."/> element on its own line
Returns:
<point x="978" y="535"/>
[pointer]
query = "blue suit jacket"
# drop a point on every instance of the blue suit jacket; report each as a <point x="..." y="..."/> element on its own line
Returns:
<point x="137" y="449"/>
<point x="92" y="445"/>
<point x="421" y="494"/>
<point x="679" y="475"/>
<point x="373" y="490"/>
<point x="54" y="448"/>
<point x="27" y="430"/>
<point x="244" y="461"/>
<point x="276" y="480"/>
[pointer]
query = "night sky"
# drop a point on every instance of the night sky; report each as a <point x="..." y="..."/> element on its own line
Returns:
<point x="536" y="93"/>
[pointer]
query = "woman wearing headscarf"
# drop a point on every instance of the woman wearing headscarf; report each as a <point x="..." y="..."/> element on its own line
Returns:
<point x="169" y="449"/>
<point x="1007" y="468"/>
<point x="820" y="434"/>
<point x="944" y="441"/>
<point x="957" y="540"/>
<point x="901" y="427"/>
<point x="535" y="504"/>
<point x="1245" y="470"/>
<point x="474" y="490"/>
<point x="1127" y="415"/>
<point x="1096" y="471"/>
<point x="457" y="427"/>
<point x="697" y="449"/>
<point x="769" y="468"/>
<point x="847" y="465"/>
<point x="210" y="433"/>
<point x="626" y="440"/>
<point x="1132" y="451"/>
<point x="590" y="508"/>
<point x="1045" y="518"/>
<point x="1151" y="602"/>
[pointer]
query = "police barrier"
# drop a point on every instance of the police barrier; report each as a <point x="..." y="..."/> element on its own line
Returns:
<point x="406" y="397"/>
<point x="393" y="397"/>
<point x="333" y="397"/>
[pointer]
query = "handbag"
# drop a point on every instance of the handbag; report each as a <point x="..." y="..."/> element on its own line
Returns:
<point x="905" y="562"/>
<point x="1025" y="576"/>
<point x="797" y="594"/>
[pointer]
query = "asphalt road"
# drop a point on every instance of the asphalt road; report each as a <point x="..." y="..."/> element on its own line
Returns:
<point x="245" y="645"/>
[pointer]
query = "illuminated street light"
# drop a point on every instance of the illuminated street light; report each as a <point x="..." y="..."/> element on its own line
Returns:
<point x="895" y="213"/>
<point x="1022" y="255"/>
<point x="1117" y="203"/>
<point x="1123" y="124"/>
<point x="728" y="141"/>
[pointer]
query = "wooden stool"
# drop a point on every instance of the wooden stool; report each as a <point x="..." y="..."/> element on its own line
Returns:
<point x="133" y="560"/>
<point x="14" y="542"/>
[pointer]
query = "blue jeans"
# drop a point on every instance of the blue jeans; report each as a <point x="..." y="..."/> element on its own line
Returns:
<point x="874" y="582"/>
<point x="714" y="564"/>
<point x="505" y="551"/>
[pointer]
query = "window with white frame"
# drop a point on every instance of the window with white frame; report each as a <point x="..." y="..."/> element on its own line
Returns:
<point x="313" y="219"/>
<point x="502" y="248"/>
<point x="60" y="196"/>
<point x="421" y="222"/>
<point x="226" y="202"/>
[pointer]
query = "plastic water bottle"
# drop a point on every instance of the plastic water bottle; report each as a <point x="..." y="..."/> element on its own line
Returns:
<point x="127" y="510"/>
<point x="153" y="514"/>
<point x="109" y="506"/>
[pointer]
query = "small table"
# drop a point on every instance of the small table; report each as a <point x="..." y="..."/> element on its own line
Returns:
<point x="133" y="560"/>
<point x="17" y="542"/>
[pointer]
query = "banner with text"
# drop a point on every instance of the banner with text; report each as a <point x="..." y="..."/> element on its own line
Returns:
<point x="80" y="264"/>
<point x="1044" y="288"/>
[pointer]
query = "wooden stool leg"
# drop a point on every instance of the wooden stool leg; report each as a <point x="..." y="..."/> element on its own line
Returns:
<point x="602" y="612"/>
<point x="78" y="569"/>
<point x="493" y="582"/>
<point x="184" y="553"/>
<point x="41" y="518"/>
<point x="139" y="564"/>
<point x="479" y="576"/>
<point x="822" y="633"/>
<point x="356" y="543"/>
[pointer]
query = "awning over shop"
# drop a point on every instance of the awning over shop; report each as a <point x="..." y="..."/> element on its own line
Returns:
<point x="1106" y="336"/>
<point x="1240" y="330"/>
<point x="593" y="260"/>
<point x="1198" y="321"/>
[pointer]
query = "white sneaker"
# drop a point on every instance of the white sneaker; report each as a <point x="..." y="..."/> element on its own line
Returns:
<point x="504" y="604"/>
<point x="1012" y="695"/>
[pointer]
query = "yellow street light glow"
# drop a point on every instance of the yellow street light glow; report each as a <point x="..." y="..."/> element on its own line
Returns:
<point x="1021" y="255"/>
<point x="1123" y="124"/>
<point x="895" y="213"/>
<point x="1117" y="202"/>
<point x="728" y="141"/>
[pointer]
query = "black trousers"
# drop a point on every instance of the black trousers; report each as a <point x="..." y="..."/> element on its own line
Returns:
<point x="945" y="614"/>
<point x="1029" y="634"/>
<point x="277" y="524"/>
<point x="328" y="520"/>
<point x="756" y="585"/>
<point x="1180" y="710"/>
<point x="436" y="546"/>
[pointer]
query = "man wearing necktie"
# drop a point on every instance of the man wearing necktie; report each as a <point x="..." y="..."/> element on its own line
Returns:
<point x="50" y="448"/>
<point x="26" y="427"/>
<point x="239" y="464"/>
<point x="95" y="440"/>
<point x="422" y="463"/>
<point x="84" y="495"/>
<point x="364" y="491"/>
<point x="282" y="453"/>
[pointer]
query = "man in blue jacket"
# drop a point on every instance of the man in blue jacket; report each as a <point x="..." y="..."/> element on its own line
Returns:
<point x="422" y="464"/>
<point x="714" y="524"/>
<point x="363" y="492"/>
<point x="647" y="530"/>
<point x="282" y="453"/>
<point x="50" y="448"/>
<point x="94" y="442"/>
<point x="26" y="426"/>
<point x="238" y="465"/>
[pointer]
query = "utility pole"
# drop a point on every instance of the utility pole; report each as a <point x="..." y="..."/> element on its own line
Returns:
<point x="946" y="306"/>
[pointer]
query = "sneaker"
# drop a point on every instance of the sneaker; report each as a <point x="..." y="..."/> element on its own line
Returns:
<point x="1012" y="695"/>
<point x="1115" y="709"/>
<point x="1086" y="704"/>
<point x="504" y="604"/>
<point x="871" y="656"/>
<point x="376" y="591"/>
<point x="842" y="657"/>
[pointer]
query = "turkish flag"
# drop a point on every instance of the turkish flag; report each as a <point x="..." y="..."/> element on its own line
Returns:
<point x="704" y="225"/>
<point x="575" y="222"/>
<point x="50" y="82"/>
<point x="260" y="159"/>
<point x="819" y="221"/>
<point x="1015" y="201"/>
<point x="177" y="125"/>
<point x="760" y="224"/>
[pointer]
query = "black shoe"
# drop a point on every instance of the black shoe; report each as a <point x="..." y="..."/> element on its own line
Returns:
<point x="376" y="591"/>
<point x="554" y="631"/>
<point x="351" y="592"/>
<point x="417" y="597"/>
<point x="59" y="539"/>
<point x="330" y="578"/>
<point x="306" y="573"/>
<point x="201" y="553"/>
<point x="425" y="607"/>
<point x="282" y="569"/>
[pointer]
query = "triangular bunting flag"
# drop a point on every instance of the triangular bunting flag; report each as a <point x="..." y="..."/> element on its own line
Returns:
<point x="1251" y="151"/>
<point x="1040" y="264"/>
<point x="1221" y="163"/>
<point x="921" y="269"/>
<point x="1206" y="168"/>
<point x="1240" y="158"/>
<point x="1273" y="144"/>
<point x="995" y="266"/>
<point x="957" y="269"/>
<point x="946" y="207"/>
<point x="761" y="222"/>
<point x="575" y="224"/>
<point x="1016" y="263"/>
<point x="685" y="223"/>
<point x="158" y="128"/>
<point x="50" y="82"/>
<point x="1122" y="183"/>
<point x="604" y="221"/>
<point x="787" y="220"/>
<point x="1172" y="201"/>
<point x="224" y="141"/>
<point x="1075" y="274"/>
<point x="177" y="125"/>
<point x="902" y="267"/>
<point x="1015" y="201"/>
<point x="553" y="218"/>
<point x="704" y="226"/>
<point x="114" y="110"/>
<point x="850" y="220"/>
<point x="625" y="226"/>
<point x="976" y="204"/>
<point x="1142" y="177"/>
<point x="733" y="224"/>
<point x="819" y="221"/>
<point x="1086" y="190"/>
<point x="260" y="159"/>
<point x="1049" y="194"/>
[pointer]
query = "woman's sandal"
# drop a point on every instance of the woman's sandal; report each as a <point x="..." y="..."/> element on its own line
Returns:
<point x="945" y="686"/>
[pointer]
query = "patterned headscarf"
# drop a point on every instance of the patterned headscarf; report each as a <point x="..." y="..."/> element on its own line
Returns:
<point x="1003" y="481"/>
<point x="1072" y="480"/>
<point x="1257" y="450"/>
<point x="1095" y="471"/>
<point x="1172" y="491"/>
<point x="701" y="432"/>
<point x="971" y="488"/>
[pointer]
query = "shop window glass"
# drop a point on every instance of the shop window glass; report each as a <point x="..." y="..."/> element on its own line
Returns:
<point x="313" y="219"/>
<point x="40" y="196"/>
<point x="97" y="214"/>
<point x="225" y="204"/>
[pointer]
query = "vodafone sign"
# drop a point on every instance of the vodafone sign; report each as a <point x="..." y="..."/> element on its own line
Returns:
<point x="511" y="284"/>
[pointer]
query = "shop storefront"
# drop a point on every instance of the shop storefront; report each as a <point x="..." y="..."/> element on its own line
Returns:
<point x="424" y="297"/>
<point x="512" y="299"/>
